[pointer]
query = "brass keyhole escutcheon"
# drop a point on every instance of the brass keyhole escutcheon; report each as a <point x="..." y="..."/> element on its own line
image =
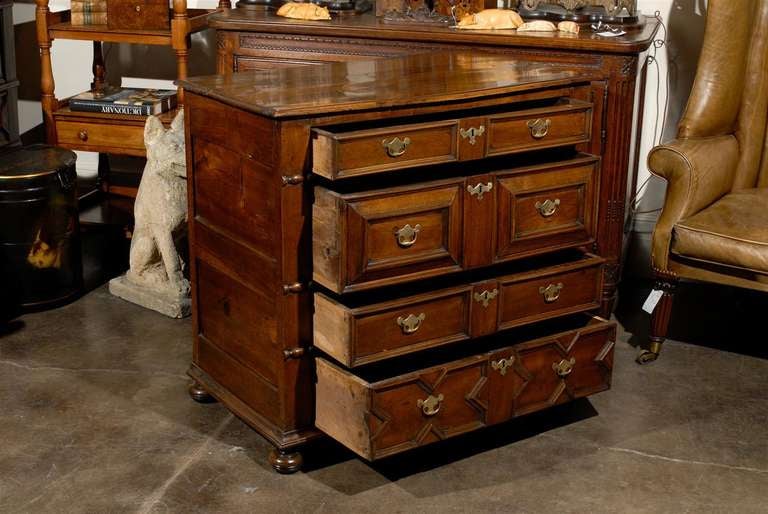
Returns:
<point x="548" y="207"/>
<point x="431" y="405"/>
<point x="83" y="135"/>
<point x="407" y="235"/>
<point x="486" y="296"/>
<point x="396" y="147"/>
<point x="564" y="367"/>
<point x="472" y="133"/>
<point x="502" y="365"/>
<point x="138" y="8"/>
<point x="551" y="293"/>
<point x="539" y="127"/>
<point x="410" y="323"/>
<point x="480" y="189"/>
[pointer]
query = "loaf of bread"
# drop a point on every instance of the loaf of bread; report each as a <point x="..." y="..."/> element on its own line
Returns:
<point x="304" y="11"/>
<point x="537" y="26"/>
<point x="491" y="19"/>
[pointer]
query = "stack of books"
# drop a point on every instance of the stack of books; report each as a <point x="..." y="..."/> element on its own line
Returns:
<point x="88" y="12"/>
<point x="120" y="100"/>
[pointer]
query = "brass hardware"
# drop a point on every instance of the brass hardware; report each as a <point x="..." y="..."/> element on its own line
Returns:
<point x="548" y="207"/>
<point x="551" y="293"/>
<point x="502" y="365"/>
<point x="292" y="180"/>
<point x="83" y="135"/>
<point x="396" y="146"/>
<point x="472" y="133"/>
<point x="486" y="296"/>
<point x="138" y="8"/>
<point x="294" y="288"/>
<point x="407" y="235"/>
<point x="293" y="353"/>
<point x="411" y="323"/>
<point x="480" y="189"/>
<point x="564" y="367"/>
<point x="431" y="405"/>
<point x="539" y="127"/>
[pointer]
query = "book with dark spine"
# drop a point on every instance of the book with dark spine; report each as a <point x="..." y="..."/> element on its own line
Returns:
<point x="118" y="100"/>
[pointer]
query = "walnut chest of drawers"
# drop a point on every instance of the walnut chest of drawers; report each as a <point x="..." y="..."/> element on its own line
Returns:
<point x="394" y="252"/>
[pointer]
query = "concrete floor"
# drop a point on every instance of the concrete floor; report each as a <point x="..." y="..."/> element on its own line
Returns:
<point x="94" y="417"/>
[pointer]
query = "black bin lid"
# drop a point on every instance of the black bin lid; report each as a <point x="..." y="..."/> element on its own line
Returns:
<point x="34" y="161"/>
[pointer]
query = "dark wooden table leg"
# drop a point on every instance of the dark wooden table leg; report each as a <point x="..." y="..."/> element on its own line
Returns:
<point x="286" y="461"/>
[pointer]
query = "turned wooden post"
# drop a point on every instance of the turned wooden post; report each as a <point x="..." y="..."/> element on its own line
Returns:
<point x="99" y="68"/>
<point x="180" y="41"/>
<point x="47" y="98"/>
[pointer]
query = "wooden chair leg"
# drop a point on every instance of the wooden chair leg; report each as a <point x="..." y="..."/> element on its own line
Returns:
<point x="659" y="321"/>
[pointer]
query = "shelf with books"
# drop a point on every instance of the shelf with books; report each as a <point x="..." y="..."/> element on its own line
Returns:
<point x="113" y="133"/>
<point x="195" y="21"/>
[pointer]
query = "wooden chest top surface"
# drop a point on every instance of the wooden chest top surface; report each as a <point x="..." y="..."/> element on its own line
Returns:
<point x="636" y="39"/>
<point x="412" y="80"/>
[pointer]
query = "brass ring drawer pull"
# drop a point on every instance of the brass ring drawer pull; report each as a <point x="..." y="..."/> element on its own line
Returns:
<point x="396" y="147"/>
<point x="407" y="235"/>
<point x="502" y="365"/>
<point x="564" y="367"/>
<point x="431" y="405"/>
<point x="486" y="296"/>
<point x="83" y="135"/>
<point x="539" y="127"/>
<point x="411" y="323"/>
<point x="472" y="133"/>
<point x="547" y="208"/>
<point x="480" y="189"/>
<point x="551" y="293"/>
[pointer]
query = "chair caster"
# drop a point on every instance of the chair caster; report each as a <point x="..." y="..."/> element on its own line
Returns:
<point x="286" y="462"/>
<point x="650" y="355"/>
<point x="646" y="356"/>
<point x="199" y="394"/>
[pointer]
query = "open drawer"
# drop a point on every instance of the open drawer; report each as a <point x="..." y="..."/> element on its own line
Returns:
<point x="359" y="334"/>
<point x="376" y="415"/>
<point x="348" y="151"/>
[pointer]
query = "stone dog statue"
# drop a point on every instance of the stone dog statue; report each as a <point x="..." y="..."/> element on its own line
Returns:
<point x="156" y="276"/>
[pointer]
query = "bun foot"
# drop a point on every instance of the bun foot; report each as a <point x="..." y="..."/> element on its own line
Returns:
<point x="286" y="461"/>
<point x="199" y="394"/>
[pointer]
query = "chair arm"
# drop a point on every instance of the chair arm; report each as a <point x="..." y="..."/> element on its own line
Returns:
<point x="698" y="171"/>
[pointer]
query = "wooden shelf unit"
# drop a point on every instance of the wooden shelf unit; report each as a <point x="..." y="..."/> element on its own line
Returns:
<point x="95" y="132"/>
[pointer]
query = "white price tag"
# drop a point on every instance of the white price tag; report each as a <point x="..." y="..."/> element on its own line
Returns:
<point x="652" y="300"/>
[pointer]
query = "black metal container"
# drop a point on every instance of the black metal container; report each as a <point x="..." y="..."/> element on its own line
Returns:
<point x="40" y="260"/>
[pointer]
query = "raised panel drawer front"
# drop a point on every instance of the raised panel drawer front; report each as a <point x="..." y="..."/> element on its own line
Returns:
<point x="551" y="207"/>
<point x="361" y="152"/>
<point x="340" y="153"/>
<point x="363" y="240"/>
<point x="377" y="417"/>
<point x="359" y="335"/>
<point x="566" y="124"/>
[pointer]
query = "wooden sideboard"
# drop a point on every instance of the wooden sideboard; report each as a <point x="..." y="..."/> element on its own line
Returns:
<point x="396" y="251"/>
<point x="249" y="40"/>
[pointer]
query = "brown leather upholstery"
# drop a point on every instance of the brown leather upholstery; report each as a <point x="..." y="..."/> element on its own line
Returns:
<point x="733" y="231"/>
<point x="714" y="224"/>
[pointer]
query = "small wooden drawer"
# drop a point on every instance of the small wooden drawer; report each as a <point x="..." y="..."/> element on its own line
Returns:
<point x="95" y="136"/>
<point x="361" y="152"/>
<point x="359" y="335"/>
<point x="548" y="207"/>
<point x="363" y="240"/>
<point x="356" y="336"/>
<point x="376" y="417"/>
<point x="564" y="124"/>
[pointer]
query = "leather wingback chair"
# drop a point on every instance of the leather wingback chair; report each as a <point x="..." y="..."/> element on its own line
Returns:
<point x="714" y="224"/>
